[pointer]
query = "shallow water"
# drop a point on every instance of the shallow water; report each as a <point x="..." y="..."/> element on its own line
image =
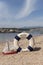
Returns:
<point x="10" y="36"/>
<point x="7" y="36"/>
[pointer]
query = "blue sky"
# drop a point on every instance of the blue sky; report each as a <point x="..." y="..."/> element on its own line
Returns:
<point x="21" y="13"/>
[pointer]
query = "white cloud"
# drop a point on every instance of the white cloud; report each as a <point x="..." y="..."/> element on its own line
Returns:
<point x="5" y="16"/>
<point x="4" y="12"/>
<point x="37" y="21"/>
<point x="25" y="10"/>
<point x="28" y="7"/>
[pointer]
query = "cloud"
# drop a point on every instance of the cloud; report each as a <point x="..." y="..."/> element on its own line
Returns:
<point x="3" y="10"/>
<point x="9" y="18"/>
<point x="37" y="21"/>
<point x="28" y="7"/>
<point x="5" y="16"/>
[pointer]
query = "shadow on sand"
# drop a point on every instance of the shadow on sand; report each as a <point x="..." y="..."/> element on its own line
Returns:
<point x="36" y="48"/>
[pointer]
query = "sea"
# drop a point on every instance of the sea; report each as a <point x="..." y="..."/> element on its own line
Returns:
<point x="10" y="36"/>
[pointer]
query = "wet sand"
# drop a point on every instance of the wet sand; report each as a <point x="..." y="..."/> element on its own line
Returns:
<point x="24" y="58"/>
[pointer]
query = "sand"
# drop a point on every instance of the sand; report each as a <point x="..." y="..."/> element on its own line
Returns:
<point x="24" y="58"/>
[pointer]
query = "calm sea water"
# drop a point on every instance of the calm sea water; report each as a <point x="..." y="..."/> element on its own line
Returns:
<point x="10" y="36"/>
<point x="7" y="36"/>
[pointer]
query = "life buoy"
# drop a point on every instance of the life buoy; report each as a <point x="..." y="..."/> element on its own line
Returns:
<point x="29" y="37"/>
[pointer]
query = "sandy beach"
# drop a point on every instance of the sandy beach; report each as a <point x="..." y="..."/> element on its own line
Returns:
<point x="24" y="58"/>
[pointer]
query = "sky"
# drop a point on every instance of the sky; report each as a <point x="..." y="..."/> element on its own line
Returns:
<point x="21" y="13"/>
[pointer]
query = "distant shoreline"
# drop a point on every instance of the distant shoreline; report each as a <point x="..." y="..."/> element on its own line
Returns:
<point x="18" y="30"/>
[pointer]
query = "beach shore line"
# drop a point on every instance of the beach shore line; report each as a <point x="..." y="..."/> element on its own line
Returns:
<point x="24" y="58"/>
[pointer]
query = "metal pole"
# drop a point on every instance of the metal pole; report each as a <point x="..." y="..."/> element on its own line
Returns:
<point x="8" y="46"/>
